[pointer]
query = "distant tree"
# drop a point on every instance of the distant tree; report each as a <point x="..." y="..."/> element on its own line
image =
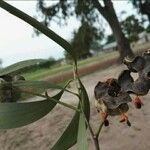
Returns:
<point x="110" y="38"/>
<point x="48" y="63"/>
<point x="143" y="6"/>
<point x="83" y="39"/>
<point x="132" y="27"/>
<point x="1" y="63"/>
<point x="148" y="29"/>
<point x="87" y="11"/>
<point x="96" y="45"/>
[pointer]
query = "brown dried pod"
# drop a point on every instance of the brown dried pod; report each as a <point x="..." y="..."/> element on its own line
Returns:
<point x="140" y="64"/>
<point x="146" y="55"/>
<point x="136" y="64"/>
<point x="110" y="99"/>
<point x="8" y="92"/>
<point x="139" y="87"/>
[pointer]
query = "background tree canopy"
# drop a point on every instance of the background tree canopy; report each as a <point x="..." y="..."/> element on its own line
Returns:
<point x="86" y="11"/>
<point x="110" y="38"/>
<point x="143" y="6"/>
<point x="132" y="27"/>
<point x="83" y="39"/>
<point x="1" y="63"/>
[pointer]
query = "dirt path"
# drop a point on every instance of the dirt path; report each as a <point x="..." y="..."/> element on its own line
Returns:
<point x="42" y="134"/>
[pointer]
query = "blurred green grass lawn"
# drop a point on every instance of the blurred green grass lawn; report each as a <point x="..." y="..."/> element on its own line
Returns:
<point x="57" y="69"/>
<point x="54" y="70"/>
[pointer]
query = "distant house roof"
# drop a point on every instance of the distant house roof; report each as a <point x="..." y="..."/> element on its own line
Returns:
<point x="110" y="45"/>
<point x="142" y="34"/>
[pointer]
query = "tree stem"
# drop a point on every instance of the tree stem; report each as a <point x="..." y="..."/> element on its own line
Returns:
<point x="52" y="99"/>
<point x="96" y="143"/>
<point x="95" y="136"/>
<point x="99" y="129"/>
<point x="36" y="24"/>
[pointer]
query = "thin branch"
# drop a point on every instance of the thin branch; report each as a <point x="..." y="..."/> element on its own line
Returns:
<point x="36" y="24"/>
<point x="71" y="80"/>
<point x="99" y="130"/>
<point x="98" y="5"/>
<point x="107" y="2"/>
<point x="72" y="92"/>
<point x="52" y="99"/>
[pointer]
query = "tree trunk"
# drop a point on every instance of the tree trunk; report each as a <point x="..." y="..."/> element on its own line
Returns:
<point x="109" y="14"/>
<point x="148" y="18"/>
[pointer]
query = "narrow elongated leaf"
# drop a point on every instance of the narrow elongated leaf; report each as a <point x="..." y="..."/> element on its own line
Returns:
<point x="13" y="115"/>
<point x="36" y="24"/>
<point x="37" y="84"/>
<point x="20" y="65"/>
<point x="85" y="101"/>
<point x="69" y="137"/>
<point x="82" y="143"/>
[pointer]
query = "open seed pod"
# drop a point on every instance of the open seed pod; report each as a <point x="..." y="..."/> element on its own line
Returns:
<point x="114" y="105"/>
<point x="8" y="92"/>
<point x="141" y="65"/>
<point x="146" y="71"/>
<point x="136" y="64"/>
<point x="126" y="81"/>
<point x="146" y="55"/>
<point x="140" y="86"/>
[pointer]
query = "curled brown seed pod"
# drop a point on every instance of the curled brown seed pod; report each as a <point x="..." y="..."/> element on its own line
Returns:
<point x="110" y="99"/>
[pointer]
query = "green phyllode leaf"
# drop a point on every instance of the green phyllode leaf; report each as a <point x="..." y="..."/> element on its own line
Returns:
<point x="70" y="135"/>
<point x="39" y="26"/>
<point x="20" y="65"/>
<point x="36" y="85"/>
<point x="82" y="143"/>
<point x="13" y="115"/>
<point x="85" y="101"/>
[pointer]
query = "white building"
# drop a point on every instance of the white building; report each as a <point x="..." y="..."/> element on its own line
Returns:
<point x="143" y="37"/>
<point x="110" y="47"/>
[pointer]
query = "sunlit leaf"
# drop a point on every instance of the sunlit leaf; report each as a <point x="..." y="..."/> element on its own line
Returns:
<point x="69" y="137"/>
<point x="82" y="143"/>
<point x="20" y="65"/>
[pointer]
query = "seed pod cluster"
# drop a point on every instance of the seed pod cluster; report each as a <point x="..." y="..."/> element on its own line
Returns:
<point x="8" y="92"/>
<point x="141" y="66"/>
<point x="112" y="96"/>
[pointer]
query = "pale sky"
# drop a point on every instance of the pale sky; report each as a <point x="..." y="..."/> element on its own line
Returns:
<point x="17" y="43"/>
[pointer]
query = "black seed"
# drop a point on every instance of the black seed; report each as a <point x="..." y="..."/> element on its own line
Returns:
<point x="106" y="123"/>
<point x="122" y="120"/>
<point x="148" y="74"/>
<point x="128" y="123"/>
<point x="138" y="105"/>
